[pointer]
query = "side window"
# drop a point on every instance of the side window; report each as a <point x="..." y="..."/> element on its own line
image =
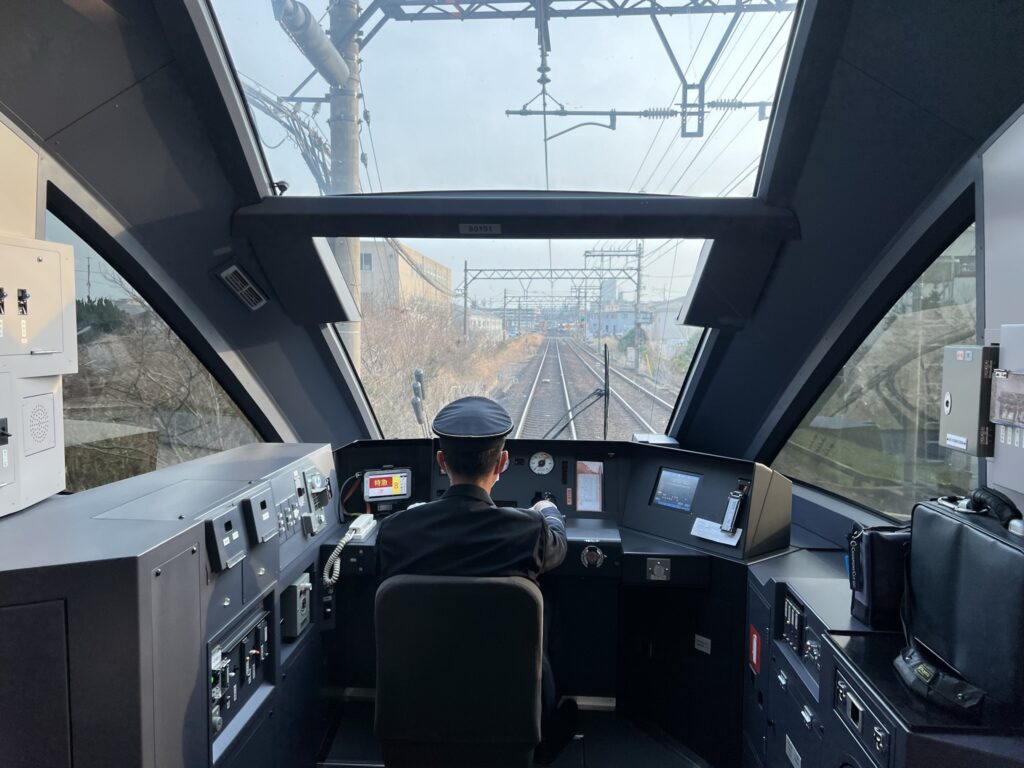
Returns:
<point x="873" y="435"/>
<point x="140" y="400"/>
<point x="367" y="264"/>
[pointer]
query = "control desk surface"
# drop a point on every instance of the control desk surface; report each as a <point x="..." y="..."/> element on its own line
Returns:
<point x="637" y="499"/>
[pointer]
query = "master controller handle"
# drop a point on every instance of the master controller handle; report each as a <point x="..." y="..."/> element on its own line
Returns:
<point x="543" y="496"/>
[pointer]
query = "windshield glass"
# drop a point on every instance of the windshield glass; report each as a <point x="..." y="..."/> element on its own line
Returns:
<point x="670" y="98"/>
<point x="530" y="332"/>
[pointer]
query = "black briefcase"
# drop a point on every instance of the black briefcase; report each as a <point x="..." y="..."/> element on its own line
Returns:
<point x="876" y="567"/>
<point x="966" y="596"/>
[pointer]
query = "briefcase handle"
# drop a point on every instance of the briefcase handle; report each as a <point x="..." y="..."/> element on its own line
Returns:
<point x="992" y="503"/>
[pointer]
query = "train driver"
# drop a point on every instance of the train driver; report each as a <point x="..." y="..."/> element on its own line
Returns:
<point x="465" y="534"/>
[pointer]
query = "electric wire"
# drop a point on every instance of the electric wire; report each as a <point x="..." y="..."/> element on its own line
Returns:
<point x="754" y="70"/>
<point x="727" y="145"/>
<point x="679" y="88"/>
<point x="369" y="132"/>
<point x="363" y="162"/>
<point x="704" y="145"/>
<point x="743" y="178"/>
<point x="731" y="47"/>
<point x="721" y="122"/>
<point x="740" y="176"/>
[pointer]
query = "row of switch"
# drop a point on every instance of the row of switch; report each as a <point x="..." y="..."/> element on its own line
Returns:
<point x="288" y="519"/>
<point x="23" y="297"/>
<point x="233" y="669"/>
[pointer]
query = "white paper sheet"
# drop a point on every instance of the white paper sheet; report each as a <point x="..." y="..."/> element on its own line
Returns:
<point x="712" y="531"/>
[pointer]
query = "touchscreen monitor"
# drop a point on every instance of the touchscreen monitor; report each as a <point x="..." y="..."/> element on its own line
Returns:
<point x="675" y="490"/>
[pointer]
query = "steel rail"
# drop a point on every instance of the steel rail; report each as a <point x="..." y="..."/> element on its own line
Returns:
<point x="565" y="391"/>
<point x="632" y="382"/>
<point x="622" y="401"/>
<point x="533" y="389"/>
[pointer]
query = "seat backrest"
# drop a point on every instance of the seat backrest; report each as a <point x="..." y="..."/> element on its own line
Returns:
<point x="458" y="668"/>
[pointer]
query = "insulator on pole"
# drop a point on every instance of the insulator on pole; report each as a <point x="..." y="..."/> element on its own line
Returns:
<point x="314" y="43"/>
<point x="659" y="113"/>
<point x="417" y="377"/>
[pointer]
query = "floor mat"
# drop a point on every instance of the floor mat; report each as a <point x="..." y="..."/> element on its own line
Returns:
<point x="611" y="741"/>
<point x="608" y="741"/>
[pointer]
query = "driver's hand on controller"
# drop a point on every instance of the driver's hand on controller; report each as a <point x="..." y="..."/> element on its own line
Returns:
<point x="547" y="500"/>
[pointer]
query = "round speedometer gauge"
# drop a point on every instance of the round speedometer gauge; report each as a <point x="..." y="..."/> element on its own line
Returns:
<point x="541" y="463"/>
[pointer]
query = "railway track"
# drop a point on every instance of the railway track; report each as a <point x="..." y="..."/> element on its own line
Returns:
<point x="547" y="404"/>
<point x="616" y="395"/>
<point x="648" y="394"/>
<point x="566" y="375"/>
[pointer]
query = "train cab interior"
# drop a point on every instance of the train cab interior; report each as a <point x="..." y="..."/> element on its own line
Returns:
<point x="745" y="274"/>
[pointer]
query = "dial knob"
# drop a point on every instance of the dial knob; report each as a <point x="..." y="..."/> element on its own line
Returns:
<point x="592" y="556"/>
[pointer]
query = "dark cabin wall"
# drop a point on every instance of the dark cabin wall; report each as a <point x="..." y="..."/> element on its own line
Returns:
<point x="892" y="99"/>
<point x="145" y="144"/>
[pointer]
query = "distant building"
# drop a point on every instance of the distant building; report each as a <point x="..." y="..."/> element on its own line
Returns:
<point x="482" y="324"/>
<point x="617" y="319"/>
<point x="667" y="328"/>
<point x="401" y="277"/>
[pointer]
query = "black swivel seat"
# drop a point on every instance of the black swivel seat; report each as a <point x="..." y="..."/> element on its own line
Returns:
<point x="458" y="671"/>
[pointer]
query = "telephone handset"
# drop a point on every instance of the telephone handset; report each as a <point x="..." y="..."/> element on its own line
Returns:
<point x="358" y="530"/>
<point x="361" y="527"/>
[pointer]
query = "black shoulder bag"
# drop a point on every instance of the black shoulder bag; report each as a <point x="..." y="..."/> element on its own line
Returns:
<point x="876" y="558"/>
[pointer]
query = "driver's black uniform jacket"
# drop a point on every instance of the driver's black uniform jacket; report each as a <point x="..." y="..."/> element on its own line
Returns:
<point x="464" y="534"/>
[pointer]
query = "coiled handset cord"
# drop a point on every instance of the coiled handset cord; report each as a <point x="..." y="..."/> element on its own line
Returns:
<point x="332" y="568"/>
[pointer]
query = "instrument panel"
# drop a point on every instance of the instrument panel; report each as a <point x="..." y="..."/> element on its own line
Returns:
<point x="728" y="507"/>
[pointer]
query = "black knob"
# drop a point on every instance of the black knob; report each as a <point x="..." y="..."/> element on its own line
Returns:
<point x="592" y="556"/>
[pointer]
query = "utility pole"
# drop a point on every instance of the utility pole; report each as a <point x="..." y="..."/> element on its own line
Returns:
<point x="636" y="305"/>
<point x="88" y="278"/>
<point x="465" y="300"/>
<point x="504" y="316"/>
<point x="577" y="321"/>
<point x="344" y="124"/>
<point x="600" y="307"/>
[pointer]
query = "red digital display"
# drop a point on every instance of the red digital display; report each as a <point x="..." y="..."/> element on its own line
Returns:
<point x="754" y="650"/>
<point x="387" y="484"/>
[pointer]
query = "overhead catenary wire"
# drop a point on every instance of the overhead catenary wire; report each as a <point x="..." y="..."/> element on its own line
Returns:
<point x="400" y="250"/>
<point x="369" y="132"/>
<point x="754" y="70"/>
<point x="731" y="46"/>
<point x="741" y="94"/>
<point x="679" y="88"/>
<point x="704" y="145"/>
<point x="711" y="163"/>
<point x="743" y="178"/>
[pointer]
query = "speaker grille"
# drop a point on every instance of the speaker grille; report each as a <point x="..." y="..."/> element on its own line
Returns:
<point x="38" y="433"/>
<point x="38" y="424"/>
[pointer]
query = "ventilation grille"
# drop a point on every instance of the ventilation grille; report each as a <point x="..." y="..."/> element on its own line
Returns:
<point x="243" y="287"/>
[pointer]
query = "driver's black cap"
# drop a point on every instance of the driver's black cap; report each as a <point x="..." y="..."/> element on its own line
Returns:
<point x="472" y="417"/>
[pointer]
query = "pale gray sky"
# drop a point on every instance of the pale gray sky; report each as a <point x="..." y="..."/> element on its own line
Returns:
<point x="438" y="90"/>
